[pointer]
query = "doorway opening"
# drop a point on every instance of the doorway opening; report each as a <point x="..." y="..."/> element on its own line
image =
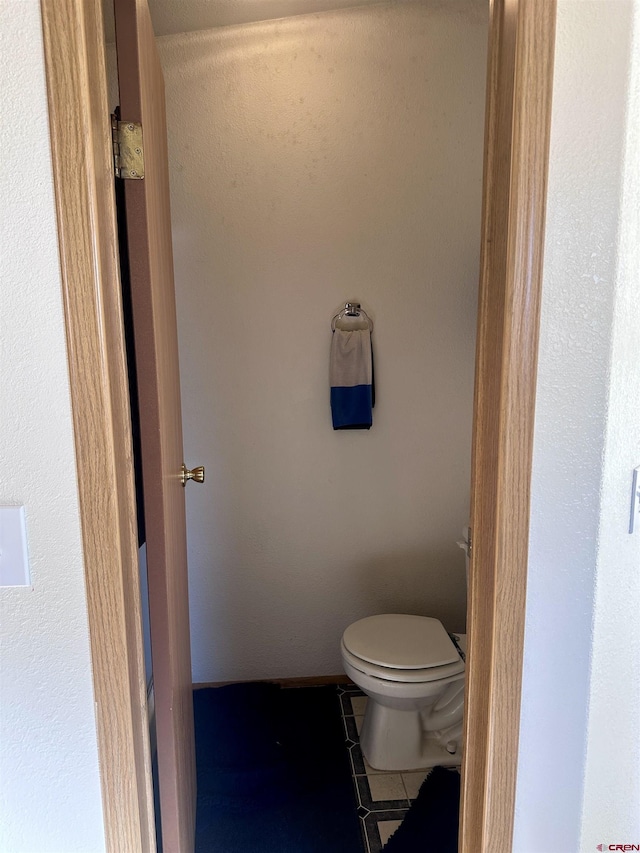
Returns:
<point x="56" y="46"/>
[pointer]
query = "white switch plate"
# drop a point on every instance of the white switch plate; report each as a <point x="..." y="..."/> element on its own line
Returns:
<point x="634" y="520"/>
<point x="14" y="562"/>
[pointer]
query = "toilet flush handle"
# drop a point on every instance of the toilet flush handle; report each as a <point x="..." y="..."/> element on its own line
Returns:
<point x="196" y="474"/>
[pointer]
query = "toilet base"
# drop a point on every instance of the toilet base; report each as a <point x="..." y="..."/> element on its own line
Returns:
<point x="392" y="739"/>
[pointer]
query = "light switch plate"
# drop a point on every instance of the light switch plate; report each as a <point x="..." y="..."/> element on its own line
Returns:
<point x="14" y="562"/>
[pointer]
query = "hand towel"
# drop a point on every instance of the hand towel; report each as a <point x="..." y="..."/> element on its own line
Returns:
<point x="351" y="379"/>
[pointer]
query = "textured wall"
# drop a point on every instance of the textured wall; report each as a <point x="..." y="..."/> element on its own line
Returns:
<point x="316" y="159"/>
<point x="583" y="299"/>
<point x="50" y="789"/>
<point x="611" y="805"/>
<point x="171" y="17"/>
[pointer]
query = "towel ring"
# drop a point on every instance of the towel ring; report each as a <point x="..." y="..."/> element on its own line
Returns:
<point x="351" y="309"/>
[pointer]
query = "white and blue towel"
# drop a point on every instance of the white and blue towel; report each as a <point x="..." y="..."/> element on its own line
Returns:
<point x="351" y="379"/>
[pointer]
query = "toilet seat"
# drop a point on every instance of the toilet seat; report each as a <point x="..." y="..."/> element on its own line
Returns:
<point x="401" y="648"/>
<point x="400" y="641"/>
<point x="403" y="676"/>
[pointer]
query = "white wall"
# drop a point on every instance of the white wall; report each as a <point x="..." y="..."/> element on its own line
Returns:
<point x="317" y="159"/>
<point x="171" y="17"/>
<point x="611" y="805"/>
<point x="49" y="783"/>
<point x="580" y="708"/>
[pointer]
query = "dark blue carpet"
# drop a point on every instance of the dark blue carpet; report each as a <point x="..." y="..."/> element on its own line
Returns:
<point x="273" y="772"/>
<point x="431" y="824"/>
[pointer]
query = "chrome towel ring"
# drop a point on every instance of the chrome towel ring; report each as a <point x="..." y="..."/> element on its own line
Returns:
<point x="351" y="309"/>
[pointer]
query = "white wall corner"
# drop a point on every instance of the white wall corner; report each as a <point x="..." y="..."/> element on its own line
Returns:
<point x="50" y="796"/>
<point x="611" y="803"/>
<point x="583" y="569"/>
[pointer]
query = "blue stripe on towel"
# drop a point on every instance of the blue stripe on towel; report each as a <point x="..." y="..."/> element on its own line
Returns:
<point x="351" y="407"/>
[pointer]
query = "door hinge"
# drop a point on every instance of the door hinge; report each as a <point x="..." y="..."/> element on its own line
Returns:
<point x="128" y="153"/>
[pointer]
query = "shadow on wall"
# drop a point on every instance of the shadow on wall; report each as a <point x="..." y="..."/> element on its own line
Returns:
<point x="260" y="643"/>
<point x="417" y="583"/>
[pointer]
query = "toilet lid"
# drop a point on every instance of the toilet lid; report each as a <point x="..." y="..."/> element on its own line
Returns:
<point x="400" y="641"/>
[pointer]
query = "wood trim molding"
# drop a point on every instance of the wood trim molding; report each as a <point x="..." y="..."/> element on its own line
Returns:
<point x="85" y="208"/>
<point x="518" y="118"/>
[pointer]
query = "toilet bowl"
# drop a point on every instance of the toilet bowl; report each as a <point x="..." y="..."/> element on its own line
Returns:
<point x="413" y="673"/>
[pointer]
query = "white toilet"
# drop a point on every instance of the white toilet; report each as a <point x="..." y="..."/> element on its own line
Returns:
<point x="413" y="674"/>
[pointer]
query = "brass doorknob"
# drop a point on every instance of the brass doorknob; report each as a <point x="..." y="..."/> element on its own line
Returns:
<point x="196" y="474"/>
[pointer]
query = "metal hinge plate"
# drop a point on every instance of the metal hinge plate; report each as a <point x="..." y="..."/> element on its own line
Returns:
<point x="128" y="153"/>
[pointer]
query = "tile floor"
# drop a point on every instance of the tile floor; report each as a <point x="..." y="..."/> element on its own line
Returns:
<point x="383" y="798"/>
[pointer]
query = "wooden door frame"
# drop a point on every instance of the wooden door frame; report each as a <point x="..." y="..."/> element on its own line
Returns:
<point x="517" y="129"/>
<point x="520" y="71"/>
<point x="82" y="160"/>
